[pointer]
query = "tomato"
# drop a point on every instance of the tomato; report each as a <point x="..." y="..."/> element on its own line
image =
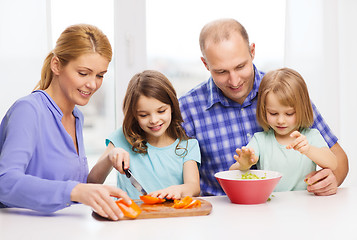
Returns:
<point x="151" y="200"/>
<point x="130" y="211"/>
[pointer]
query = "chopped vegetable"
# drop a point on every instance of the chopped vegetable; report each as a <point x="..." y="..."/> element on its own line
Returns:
<point x="249" y="175"/>
<point x="130" y="211"/>
<point x="186" y="202"/>
<point x="151" y="200"/>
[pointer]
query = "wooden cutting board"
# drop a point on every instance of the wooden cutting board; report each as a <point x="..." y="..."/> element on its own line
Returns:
<point x="165" y="210"/>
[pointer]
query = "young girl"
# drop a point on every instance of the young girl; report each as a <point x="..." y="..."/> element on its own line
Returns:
<point x="152" y="142"/>
<point x="287" y="144"/>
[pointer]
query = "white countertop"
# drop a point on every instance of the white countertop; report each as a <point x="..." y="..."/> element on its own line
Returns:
<point x="289" y="215"/>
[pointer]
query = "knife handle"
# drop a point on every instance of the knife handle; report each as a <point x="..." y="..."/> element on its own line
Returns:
<point x="126" y="171"/>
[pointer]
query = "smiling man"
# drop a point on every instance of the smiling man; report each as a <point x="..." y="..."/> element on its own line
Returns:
<point x="220" y="112"/>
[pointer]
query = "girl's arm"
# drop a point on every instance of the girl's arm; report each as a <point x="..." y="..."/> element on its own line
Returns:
<point x="112" y="157"/>
<point x="323" y="157"/>
<point x="245" y="159"/>
<point x="102" y="168"/>
<point x="190" y="187"/>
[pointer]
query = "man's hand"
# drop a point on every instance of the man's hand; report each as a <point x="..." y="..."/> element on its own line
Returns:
<point x="322" y="182"/>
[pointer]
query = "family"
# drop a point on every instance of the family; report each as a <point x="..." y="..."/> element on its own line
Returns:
<point x="238" y="119"/>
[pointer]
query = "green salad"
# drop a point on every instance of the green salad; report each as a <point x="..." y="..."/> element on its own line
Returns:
<point x="249" y="175"/>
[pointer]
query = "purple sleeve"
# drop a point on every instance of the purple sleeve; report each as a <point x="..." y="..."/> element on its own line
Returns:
<point x="19" y="135"/>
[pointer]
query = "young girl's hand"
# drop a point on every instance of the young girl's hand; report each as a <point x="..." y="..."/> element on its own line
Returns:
<point x="245" y="159"/>
<point x="300" y="143"/>
<point x="117" y="156"/>
<point x="172" y="192"/>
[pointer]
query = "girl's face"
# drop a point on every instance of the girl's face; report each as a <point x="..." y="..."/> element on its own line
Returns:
<point x="282" y="119"/>
<point x="154" y="117"/>
<point x="79" y="79"/>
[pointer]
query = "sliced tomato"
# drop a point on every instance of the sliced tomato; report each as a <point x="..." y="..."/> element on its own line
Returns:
<point x="151" y="200"/>
<point x="131" y="211"/>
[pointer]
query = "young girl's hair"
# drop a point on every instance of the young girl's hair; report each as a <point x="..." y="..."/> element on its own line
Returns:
<point x="291" y="90"/>
<point x="73" y="42"/>
<point x="151" y="84"/>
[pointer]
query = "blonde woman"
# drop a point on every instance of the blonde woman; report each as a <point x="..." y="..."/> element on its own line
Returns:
<point x="288" y="144"/>
<point x="43" y="165"/>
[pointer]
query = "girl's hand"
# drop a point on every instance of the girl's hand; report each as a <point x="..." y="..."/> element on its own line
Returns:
<point x="172" y="192"/>
<point x="117" y="156"/>
<point x="99" y="198"/>
<point x="300" y="143"/>
<point x="245" y="158"/>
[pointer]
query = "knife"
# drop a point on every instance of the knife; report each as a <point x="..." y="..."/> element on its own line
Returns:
<point x="133" y="181"/>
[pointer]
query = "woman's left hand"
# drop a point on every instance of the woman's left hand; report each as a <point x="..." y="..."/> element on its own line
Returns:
<point x="99" y="197"/>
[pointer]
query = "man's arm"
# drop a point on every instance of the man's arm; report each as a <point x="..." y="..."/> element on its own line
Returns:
<point x="342" y="163"/>
<point x="325" y="181"/>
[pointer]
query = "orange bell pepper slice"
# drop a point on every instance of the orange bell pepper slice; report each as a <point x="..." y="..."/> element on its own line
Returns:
<point x="130" y="211"/>
<point x="183" y="202"/>
<point x="151" y="200"/>
<point x="194" y="203"/>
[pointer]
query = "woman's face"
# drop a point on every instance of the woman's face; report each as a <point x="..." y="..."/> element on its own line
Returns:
<point x="77" y="81"/>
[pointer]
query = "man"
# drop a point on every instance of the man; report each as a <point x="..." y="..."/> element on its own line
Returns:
<point x="220" y="113"/>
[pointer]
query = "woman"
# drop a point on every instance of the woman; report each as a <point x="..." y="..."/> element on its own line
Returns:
<point x="42" y="163"/>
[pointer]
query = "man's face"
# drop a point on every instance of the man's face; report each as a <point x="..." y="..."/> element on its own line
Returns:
<point x="231" y="65"/>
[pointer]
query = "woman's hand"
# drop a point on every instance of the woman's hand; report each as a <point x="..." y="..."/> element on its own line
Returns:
<point x="99" y="198"/>
<point x="117" y="156"/>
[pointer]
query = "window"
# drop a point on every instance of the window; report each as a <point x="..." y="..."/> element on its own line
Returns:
<point x="99" y="113"/>
<point x="173" y="29"/>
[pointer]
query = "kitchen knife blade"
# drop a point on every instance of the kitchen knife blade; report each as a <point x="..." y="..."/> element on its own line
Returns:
<point x="133" y="181"/>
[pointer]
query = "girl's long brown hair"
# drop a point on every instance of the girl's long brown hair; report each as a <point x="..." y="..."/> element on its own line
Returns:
<point x="151" y="84"/>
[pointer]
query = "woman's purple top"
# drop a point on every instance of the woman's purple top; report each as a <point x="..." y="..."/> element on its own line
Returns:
<point x="39" y="164"/>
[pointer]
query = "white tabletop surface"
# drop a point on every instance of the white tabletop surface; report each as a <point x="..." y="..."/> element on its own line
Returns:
<point x="289" y="215"/>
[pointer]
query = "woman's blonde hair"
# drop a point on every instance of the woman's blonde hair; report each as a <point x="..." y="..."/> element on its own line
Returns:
<point x="291" y="90"/>
<point x="151" y="84"/>
<point x="75" y="41"/>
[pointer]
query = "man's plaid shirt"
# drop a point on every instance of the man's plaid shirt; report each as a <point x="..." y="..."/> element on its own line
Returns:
<point x="221" y="125"/>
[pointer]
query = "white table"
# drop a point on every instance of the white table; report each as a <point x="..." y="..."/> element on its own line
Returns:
<point x="289" y="215"/>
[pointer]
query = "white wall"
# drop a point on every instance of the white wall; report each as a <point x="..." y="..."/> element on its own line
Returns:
<point x="321" y="45"/>
<point x="347" y="42"/>
<point x="130" y="47"/>
<point x="23" y="47"/>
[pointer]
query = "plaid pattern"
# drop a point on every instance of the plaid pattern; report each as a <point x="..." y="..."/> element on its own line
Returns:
<point x="221" y="125"/>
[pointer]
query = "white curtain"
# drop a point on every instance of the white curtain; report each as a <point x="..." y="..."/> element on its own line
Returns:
<point x="23" y="47"/>
<point x="320" y="43"/>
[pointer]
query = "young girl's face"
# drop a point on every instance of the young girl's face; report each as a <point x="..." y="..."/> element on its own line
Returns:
<point x="281" y="118"/>
<point x="154" y="117"/>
